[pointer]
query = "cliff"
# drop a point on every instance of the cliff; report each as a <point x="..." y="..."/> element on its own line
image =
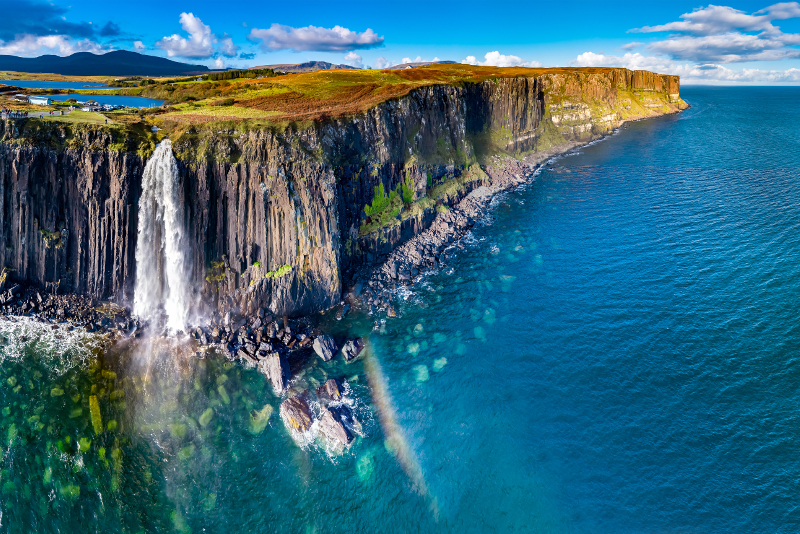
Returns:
<point x="282" y="216"/>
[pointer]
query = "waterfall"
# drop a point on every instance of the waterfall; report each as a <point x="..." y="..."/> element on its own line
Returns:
<point x="162" y="263"/>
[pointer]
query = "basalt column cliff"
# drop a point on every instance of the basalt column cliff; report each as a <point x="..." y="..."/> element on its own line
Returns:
<point x="282" y="216"/>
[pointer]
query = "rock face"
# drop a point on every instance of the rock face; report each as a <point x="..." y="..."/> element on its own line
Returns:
<point x="325" y="347"/>
<point x="296" y="414"/>
<point x="276" y="218"/>
<point x="352" y="349"/>
<point x="330" y="391"/>
<point x="275" y="367"/>
<point x="331" y="426"/>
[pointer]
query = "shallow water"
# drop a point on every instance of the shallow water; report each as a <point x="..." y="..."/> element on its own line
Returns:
<point x="613" y="351"/>
<point x="116" y="100"/>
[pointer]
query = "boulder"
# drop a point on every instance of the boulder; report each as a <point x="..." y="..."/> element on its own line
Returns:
<point x="325" y="347"/>
<point x="352" y="349"/>
<point x="246" y="356"/>
<point x="333" y="429"/>
<point x="275" y="367"/>
<point x="342" y="312"/>
<point x="296" y="414"/>
<point x="330" y="390"/>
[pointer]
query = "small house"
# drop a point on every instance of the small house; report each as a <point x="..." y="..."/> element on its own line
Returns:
<point x="39" y="100"/>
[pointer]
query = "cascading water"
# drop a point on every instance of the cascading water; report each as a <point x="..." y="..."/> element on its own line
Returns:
<point x="162" y="266"/>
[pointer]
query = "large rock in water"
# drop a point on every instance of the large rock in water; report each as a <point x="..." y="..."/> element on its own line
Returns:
<point x="331" y="426"/>
<point x="296" y="414"/>
<point x="276" y="369"/>
<point x="329" y="390"/>
<point x="325" y="347"/>
<point x="352" y="349"/>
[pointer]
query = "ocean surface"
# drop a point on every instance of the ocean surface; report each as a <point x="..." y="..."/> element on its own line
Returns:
<point x="614" y="350"/>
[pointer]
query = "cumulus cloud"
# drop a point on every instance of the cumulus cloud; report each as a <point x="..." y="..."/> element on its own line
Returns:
<point x="418" y="59"/>
<point x="200" y="43"/>
<point x="37" y="45"/>
<point x="139" y="46"/>
<point x="722" y="34"/>
<point x="353" y="59"/>
<point x="382" y="63"/>
<point x="496" y="59"/>
<point x="702" y="73"/>
<point x="227" y="48"/>
<point x="312" y="38"/>
<point x="219" y="63"/>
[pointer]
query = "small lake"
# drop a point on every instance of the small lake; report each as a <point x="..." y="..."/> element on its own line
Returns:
<point x="127" y="101"/>
<point x="48" y="84"/>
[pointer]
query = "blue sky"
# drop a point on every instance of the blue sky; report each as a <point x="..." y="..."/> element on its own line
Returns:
<point x="734" y="43"/>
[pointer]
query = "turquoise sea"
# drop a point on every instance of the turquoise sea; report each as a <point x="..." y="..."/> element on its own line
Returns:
<point x="614" y="350"/>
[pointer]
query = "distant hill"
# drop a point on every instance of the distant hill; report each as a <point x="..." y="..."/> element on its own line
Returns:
<point x="421" y="64"/>
<point x="309" y="66"/>
<point x="118" y="63"/>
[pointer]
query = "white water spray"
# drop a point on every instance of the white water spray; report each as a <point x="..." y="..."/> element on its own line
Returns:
<point x="162" y="263"/>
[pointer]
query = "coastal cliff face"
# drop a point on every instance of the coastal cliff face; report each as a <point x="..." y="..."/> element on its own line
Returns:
<point x="277" y="218"/>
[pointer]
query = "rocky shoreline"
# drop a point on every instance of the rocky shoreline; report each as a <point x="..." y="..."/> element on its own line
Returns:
<point x="427" y="250"/>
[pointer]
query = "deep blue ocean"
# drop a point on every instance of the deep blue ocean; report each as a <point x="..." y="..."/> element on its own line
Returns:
<point x="614" y="350"/>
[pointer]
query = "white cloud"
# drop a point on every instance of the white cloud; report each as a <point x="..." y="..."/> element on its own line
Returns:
<point x="200" y="43"/>
<point x="313" y="38"/>
<point x="382" y="63"/>
<point x="704" y="73"/>
<point x="28" y="45"/>
<point x="631" y="46"/>
<point x="353" y="59"/>
<point x="496" y="59"/>
<point x="227" y="48"/>
<point x="138" y="45"/>
<point x="714" y="20"/>
<point x="722" y="34"/>
<point x="418" y="59"/>
<point x="219" y="63"/>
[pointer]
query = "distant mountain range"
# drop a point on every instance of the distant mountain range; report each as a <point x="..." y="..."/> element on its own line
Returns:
<point x="309" y="66"/>
<point x="118" y="63"/>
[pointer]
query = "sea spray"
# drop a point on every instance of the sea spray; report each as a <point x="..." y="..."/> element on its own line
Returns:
<point x="162" y="266"/>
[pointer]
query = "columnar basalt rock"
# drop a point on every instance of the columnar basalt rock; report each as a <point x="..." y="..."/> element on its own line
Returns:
<point x="275" y="217"/>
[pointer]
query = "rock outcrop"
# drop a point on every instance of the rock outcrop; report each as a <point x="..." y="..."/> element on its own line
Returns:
<point x="276" y="217"/>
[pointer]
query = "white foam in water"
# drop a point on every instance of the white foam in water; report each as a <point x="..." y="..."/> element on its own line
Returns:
<point x="162" y="263"/>
<point x="61" y="348"/>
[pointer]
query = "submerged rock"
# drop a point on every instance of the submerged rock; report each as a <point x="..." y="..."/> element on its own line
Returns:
<point x="275" y="367"/>
<point x="325" y="347"/>
<point x="259" y="419"/>
<point x="352" y="349"/>
<point x="296" y="414"/>
<point x="332" y="428"/>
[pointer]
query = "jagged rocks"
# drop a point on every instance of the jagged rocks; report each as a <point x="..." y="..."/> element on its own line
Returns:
<point x="275" y="367"/>
<point x="325" y="347"/>
<point x="352" y="349"/>
<point x="330" y="390"/>
<point x="296" y="414"/>
<point x="332" y="428"/>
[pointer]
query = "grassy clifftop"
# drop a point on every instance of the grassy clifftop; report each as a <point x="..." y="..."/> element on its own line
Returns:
<point x="205" y="113"/>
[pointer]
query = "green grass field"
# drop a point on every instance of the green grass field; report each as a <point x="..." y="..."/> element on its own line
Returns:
<point x="87" y="117"/>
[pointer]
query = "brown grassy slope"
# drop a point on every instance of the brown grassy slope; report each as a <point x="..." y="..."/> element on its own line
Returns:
<point x="338" y="93"/>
